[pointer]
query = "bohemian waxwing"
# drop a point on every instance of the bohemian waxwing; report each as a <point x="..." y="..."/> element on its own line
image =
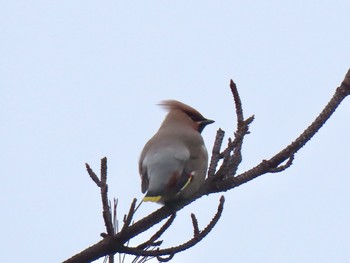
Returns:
<point x="173" y="164"/>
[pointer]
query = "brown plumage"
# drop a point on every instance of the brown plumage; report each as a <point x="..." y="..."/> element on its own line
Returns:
<point x="173" y="163"/>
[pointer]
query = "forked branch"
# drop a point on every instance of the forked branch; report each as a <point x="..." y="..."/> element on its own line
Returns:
<point x="220" y="179"/>
<point x="197" y="237"/>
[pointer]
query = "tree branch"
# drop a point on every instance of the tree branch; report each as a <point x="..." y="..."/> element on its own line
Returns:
<point x="219" y="180"/>
<point x="158" y="234"/>
<point x="215" y="157"/>
<point x="198" y="236"/>
<point x="104" y="196"/>
<point x="266" y="165"/>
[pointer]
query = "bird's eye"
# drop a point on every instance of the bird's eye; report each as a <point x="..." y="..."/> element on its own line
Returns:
<point x="195" y="117"/>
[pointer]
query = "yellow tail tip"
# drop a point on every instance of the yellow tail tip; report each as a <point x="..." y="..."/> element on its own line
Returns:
<point x="151" y="198"/>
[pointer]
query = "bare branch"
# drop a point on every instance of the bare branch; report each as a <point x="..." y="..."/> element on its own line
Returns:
<point x="128" y="218"/>
<point x="115" y="218"/>
<point x="282" y="167"/>
<point x="104" y="196"/>
<point x="158" y="234"/>
<point x="232" y="155"/>
<point x="195" y="225"/>
<point x="238" y="103"/>
<point x="220" y="181"/>
<point x="236" y="158"/>
<point x="215" y="157"/>
<point x="165" y="259"/>
<point x="193" y="241"/>
<point x="265" y="166"/>
<point x="111" y="258"/>
<point x="225" y="155"/>
<point x="93" y="176"/>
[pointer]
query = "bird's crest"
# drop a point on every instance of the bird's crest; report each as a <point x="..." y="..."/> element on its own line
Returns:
<point x="177" y="105"/>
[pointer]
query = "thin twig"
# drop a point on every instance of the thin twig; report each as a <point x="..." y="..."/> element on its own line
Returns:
<point x="93" y="176"/>
<point x="128" y="218"/>
<point x="232" y="155"/>
<point x="165" y="259"/>
<point x="158" y="234"/>
<point x="238" y="102"/>
<point x="215" y="157"/>
<point x="193" y="241"/>
<point x="236" y="158"/>
<point x="115" y="216"/>
<point x="195" y="225"/>
<point x="111" y="258"/>
<point x="226" y="155"/>
<point x="283" y="167"/>
<point x="104" y="196"/>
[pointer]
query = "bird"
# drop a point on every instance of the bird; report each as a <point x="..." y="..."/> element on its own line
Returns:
<point x="173" y="163"/>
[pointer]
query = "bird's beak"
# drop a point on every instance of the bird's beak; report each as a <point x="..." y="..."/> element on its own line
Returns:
<point x="206" y="122"/>
<point x="203" y="123"/>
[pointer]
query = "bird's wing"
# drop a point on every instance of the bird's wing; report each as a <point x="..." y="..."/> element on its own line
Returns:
<point x="162" y="169"/>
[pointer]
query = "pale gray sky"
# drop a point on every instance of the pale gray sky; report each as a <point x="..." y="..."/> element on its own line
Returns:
<point x="80" y="80"/>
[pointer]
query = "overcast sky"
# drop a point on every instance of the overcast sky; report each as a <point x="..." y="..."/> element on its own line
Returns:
<point x="80" y="80"/>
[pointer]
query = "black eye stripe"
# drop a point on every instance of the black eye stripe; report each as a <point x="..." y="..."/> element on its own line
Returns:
<point x="195" y="117"/>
